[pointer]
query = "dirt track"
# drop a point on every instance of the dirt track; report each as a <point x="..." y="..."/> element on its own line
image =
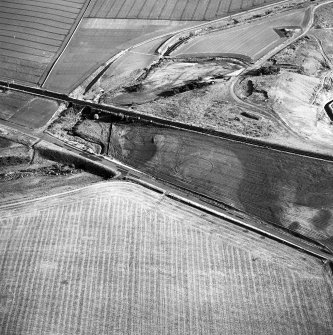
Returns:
<point x="284" y="189"/>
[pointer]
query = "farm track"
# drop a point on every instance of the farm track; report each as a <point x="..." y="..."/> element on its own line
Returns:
<point x="32" y="33"/>
<point x="185" y="10"/>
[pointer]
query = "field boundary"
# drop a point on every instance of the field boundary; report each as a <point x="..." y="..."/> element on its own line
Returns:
<point x="269" y="231"/>
<point x="85" y="83"/>
<point x="136" y="116"/>
<point x="264" y="230"/>
<point x="64" y="44"/>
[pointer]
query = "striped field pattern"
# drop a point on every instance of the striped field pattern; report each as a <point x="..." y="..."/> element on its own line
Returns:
<point x="32" y="33"/>
<point x="253" y="40"/>
<point x="116" y="258"/>
<point x="196" y="10"/>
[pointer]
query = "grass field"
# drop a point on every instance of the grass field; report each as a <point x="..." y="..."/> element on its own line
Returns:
<point x="253" y="40"/>
<point x="116" y="258"/>
<point x="197" y="10"/>
<point x="31" y="35"/>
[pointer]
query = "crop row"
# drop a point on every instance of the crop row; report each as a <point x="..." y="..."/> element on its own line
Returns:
<point x="250" y="41"/>
<point x="121" y="258"/>
<point x="196" y="10"/>
<point x="31" y="34"/>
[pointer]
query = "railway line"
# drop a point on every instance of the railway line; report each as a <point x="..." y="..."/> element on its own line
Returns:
<point x="127" y="114"/>
<point x="198" y="201"/>
<point x="172" y="189"/>
<point x="137" y="241"/>
<point x="132" y="174"/>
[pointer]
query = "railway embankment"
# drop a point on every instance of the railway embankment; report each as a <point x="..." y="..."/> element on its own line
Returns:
<point x="79" y="160"/>
<point x="53" y="152"/>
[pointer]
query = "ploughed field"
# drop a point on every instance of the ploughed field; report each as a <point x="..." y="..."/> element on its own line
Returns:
<point x="116" y="258"/>
<point x="32" y="33"/>
<point x="95" y="42"/>
<point x="189" y="10"/>
<point x="109" y="27"/>
<point x="253" y="40"/>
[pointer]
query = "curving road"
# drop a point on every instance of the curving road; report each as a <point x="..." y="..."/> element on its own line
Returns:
<point x="284" y="124"/>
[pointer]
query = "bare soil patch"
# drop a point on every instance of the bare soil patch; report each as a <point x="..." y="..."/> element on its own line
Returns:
<point x="300" y="88"/>
<point x="211" y="107"/>
<point x="98" y="40"/>
<point x="302" y="57"/>
<point x="324" y="16"/>
<point x="325" y="37"/>
<point x="252" y="40"/>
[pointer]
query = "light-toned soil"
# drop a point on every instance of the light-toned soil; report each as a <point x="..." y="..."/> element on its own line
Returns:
<point x="122" y="72"/>
<point x="302" y="86"/>
<point x="299" y="100"/>
<point x="213" y="108"/>
<point x="293" y="98"/>
<point x="168" y="75"/>
<point x="252" y="40"/>
<point x="325" y="36"/>
<point x="324" y="16"/>
<point x="303" y="56"/>
<point x="98" y="40"/>
<point x="171" y="73"/>
<point x="118" y="258"/>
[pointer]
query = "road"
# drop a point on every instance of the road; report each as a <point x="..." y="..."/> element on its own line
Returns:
<point x="176" y="191"/>
<point x="179" y="192"/>
<point x="284" y="124"/>
<point x="88" y="83"/>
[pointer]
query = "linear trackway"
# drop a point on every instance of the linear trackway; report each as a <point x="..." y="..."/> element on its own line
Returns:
<point x="204" y="203"/>
<point x="196" y="200"/>
<point x="136" y="116"/>
<point x="32" y="33"/>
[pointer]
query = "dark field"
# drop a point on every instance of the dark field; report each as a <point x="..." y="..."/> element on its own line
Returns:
<point x="188" y="10"/>
<point x="25" y="109"/>
<point x="31" y="35"/>
<point x="116" y="258"/>
<point x="283" y="189"/>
